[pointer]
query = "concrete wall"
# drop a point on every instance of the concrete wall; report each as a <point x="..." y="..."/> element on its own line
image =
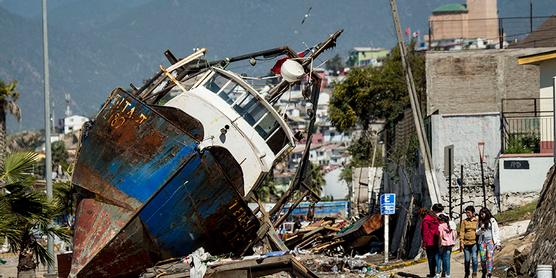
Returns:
<point x="506" y="188"/>
<point x="523" y="180"/>
<point x="475" y="81"/>
<point x="483" y="19"/>
<point x="465" y="131"/>
<point x="448" y="26"/>
<point x="548" y="71"/>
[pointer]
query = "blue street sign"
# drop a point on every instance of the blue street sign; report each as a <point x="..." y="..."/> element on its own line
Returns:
<point x="388" y="199"/>
<point x="387" y="210"/>
<point x="388" y="203"/>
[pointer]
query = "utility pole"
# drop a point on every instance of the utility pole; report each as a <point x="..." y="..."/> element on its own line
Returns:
<point x="48" y="151"/>
<point x="416" y="109"/>
<point x="531" y="16"/>
<point x="554" y="119"/>
<point x="371" y="181"/>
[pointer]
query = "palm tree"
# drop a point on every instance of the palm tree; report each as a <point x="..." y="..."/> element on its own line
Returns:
<point x="267" y="190"/>
<point x="63" y="196"/>
<point x="8" y="104"/>
<point x="317" y="178"/>
<point x="26" y="212"/>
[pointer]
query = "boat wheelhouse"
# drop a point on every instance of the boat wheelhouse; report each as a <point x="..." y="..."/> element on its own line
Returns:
<point x="236" y="117"/>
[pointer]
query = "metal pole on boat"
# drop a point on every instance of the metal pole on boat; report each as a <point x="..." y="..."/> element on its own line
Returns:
<point x="48" y="151"/>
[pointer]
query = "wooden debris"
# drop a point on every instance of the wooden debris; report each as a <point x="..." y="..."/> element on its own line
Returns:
<point x="262" y="267"/>
<point x="256" y="267"/>
<point x="330" y="233"/>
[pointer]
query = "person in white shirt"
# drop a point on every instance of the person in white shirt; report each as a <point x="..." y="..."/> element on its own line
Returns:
<point x="488" y="236"/>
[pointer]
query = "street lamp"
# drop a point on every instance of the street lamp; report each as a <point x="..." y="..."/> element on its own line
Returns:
<point x="481" y="146"/>
<point x="47" y="146"/>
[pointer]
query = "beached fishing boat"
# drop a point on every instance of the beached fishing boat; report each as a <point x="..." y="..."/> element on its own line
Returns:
<point x="167" y="168"/>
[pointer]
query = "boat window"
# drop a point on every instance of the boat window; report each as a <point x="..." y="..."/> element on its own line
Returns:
<point x="250" y="108"/>
<point x="216" y="82"/>
<point x="225" y="88"/>
<point x="266" y="126"/>
<point x="277" y="140"/>
<point x="229" y="93"/>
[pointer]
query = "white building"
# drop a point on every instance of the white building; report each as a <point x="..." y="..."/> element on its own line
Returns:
<point x="74" y="123"/>
<point x="335" y="187"/>
<point x="546" y="61"/>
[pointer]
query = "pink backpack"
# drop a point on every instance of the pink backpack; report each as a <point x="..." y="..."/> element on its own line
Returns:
<point x="447" y="235"/>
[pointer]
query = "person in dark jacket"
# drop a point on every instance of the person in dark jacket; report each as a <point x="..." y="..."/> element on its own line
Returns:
<point x="430" y="235"/>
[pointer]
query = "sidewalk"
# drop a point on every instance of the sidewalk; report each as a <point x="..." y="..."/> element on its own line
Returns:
<point x="422" y="269"/>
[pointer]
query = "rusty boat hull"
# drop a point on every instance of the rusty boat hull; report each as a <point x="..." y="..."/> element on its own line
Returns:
<point x="147" y="193"/>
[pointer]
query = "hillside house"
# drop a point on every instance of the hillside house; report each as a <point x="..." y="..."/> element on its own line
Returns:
<point x="366" y="56"/>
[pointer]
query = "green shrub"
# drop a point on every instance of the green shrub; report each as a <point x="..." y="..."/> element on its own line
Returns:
<point x="523" y="143"/>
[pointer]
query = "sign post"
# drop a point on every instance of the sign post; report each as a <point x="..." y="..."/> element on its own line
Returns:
<point x="387" y="207"/>
<point x="386" y="238"/>
<point x="448" y="170"/>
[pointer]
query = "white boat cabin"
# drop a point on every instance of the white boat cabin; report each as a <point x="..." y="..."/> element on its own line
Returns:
<point x="235" y="116"/>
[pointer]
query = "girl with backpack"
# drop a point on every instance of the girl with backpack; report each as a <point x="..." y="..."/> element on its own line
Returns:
<point x="447" y="236"/>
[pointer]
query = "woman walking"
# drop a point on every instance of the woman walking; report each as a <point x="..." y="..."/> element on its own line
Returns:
<point x="447" y="240"/>
<point x="430" y="235"/>
<point x="468" y="241"/>
<point x="488" y="237"/>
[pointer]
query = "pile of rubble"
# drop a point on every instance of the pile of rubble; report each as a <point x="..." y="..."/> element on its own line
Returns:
<point x="325" y="246"/>
<point x="316" y="237"/>
<point x="200" y="264"/>
<point x="322" y="264"/>
<point x="336" y="236"/>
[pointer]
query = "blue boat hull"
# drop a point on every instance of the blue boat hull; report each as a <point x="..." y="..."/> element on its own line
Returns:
<point x="147" y="193"/>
